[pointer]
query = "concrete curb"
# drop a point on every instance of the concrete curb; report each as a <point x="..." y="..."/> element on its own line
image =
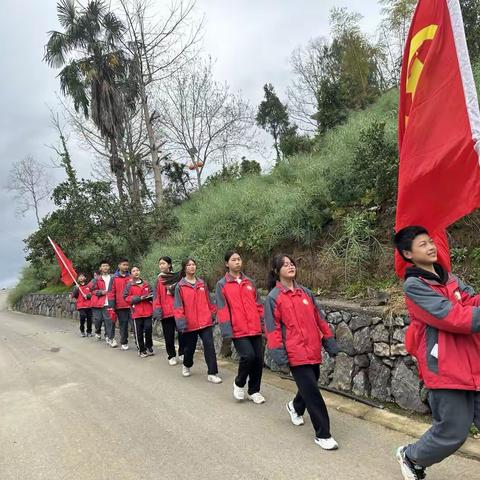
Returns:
<point x="393" y="421"/>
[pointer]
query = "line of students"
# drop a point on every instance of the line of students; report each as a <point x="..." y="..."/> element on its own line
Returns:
<point x="444" y="335"/>
<point x="292" y="322"/>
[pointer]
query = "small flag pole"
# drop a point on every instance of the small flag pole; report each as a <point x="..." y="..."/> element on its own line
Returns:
<point x="68" y="270"/>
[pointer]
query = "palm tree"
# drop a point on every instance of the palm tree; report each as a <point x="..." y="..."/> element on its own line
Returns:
<point x="94" y="69"/>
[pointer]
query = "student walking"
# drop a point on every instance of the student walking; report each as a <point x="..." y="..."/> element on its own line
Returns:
<point x="296" y="331"/>
<point x="163" y="299"/>
<point x="240" y="317"/>
<point x="443" y="336"/>
<point x="99" y="286"/>
<point x="193" y="315"/>
<point x="138" y="294"/>
<point x="82" y="294"/>
<point x="118" y="303"/>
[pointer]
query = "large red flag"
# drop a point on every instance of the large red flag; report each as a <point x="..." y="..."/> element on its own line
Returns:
<point x="439" y="125"/>
<point x="68" y="275"/>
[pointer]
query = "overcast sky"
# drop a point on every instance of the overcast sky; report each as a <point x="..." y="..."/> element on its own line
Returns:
<point x="251" y="41"/>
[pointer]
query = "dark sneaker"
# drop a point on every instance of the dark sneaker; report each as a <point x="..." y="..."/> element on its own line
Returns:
<point x="83" y="334"/>
<point x="150" y="351"/>
<point x="410" y="470"/>
<point x="143" y="354"/>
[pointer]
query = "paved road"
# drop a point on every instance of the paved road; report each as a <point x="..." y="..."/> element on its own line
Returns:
<point x="72" y="408"/>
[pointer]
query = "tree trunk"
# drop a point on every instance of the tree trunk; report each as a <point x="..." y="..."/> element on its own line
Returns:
<point x="35" y="205"/>
<point x="157" y="173"/>
<point x="116" y="165"/>
<point x="199" y="177"/>
<point x="275" y="144"/>
<point x="131" y="164"/>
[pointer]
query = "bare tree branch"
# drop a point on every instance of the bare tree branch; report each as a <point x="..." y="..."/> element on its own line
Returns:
<point x="202" y="120"/>
<point x="28" y="181"/>
<point x="161" y="48"/>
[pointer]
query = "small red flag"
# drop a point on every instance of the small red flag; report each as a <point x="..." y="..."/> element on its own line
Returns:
<point x="68" y="275"/>
<point x="439" y="126"/>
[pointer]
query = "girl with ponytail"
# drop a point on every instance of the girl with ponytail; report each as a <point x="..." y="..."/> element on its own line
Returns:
<point x="296" y="330"/>
<point x="163" y="299"/>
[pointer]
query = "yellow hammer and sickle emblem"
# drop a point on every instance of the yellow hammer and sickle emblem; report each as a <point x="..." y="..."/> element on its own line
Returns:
<point x="416" y="67"/>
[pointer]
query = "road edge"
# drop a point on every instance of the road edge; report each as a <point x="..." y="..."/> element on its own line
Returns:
<point x="393" y="421"/>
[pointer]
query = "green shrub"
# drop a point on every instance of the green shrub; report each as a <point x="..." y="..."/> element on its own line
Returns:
<point x="362" y="159"/>
<point x="28" y="283"/>
<point x="356" y="244"/>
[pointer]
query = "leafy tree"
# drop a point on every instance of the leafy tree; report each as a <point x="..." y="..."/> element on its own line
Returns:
<point x="292" y="143"/>
<point x="393" y="32"/>
<point x="94" y="67"/>
<point x="397" y="17"/>
<point x="333" y="77"/>
<point x="249" y="167"/>
<point x="370" y="178"/>
<point x="358" y="59"/>
<point x="179" y="184"/>
<point x="471" y="20"/>
<point x="272" y="116"/>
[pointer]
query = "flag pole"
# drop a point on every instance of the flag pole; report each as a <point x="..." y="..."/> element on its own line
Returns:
<point x="68" y="270"/>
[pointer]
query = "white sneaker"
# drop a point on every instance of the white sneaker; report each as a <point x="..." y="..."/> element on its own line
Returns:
<point x="214" y="379"/>
<point x="172" y="361"/>
<point x="180" y="358"/>
<point x="294" y="416"/>
<point x="257" y="398"/>
<point x="107" y="340"/>
<point x="238" y="392"/>
<point x="186" y="371"/>
<point x="114" y="343"/>
<point x="410" y="471"/>
<point x="327" y="443"/>
<point x="125" y="347"/>
<point x="98" y="336"/>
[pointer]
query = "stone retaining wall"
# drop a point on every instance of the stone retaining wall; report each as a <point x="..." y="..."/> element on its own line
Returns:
<point x="373" y="363"/>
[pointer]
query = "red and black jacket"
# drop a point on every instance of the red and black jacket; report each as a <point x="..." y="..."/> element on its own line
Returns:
<point x="163" y="300"/>
<point x="239" y="307"/>
<point x="444" y="330"/>
<point x="192" y="307"/>
<point x="97" y="286"/>
<point x="83" y="297"/>
<point x="296" y="328"/>
<point x="115" y="294"/>
<point x="138" y="295"/>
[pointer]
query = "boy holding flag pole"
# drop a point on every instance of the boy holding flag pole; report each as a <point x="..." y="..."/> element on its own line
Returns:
<point x="438" y="183"/>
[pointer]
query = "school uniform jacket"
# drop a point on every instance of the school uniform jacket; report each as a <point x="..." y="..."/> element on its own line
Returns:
<point x="163" y="300"/>
<point x="132" y="294"/>
<point x="82" y="302"/>
<point x="296" y="328"/>
<point x="115" y="294"/>
<point x="239" y="307"/>
<point x="444" y="331"/>
<point x="96" y="287"/>
<point x="192" y="307"/>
